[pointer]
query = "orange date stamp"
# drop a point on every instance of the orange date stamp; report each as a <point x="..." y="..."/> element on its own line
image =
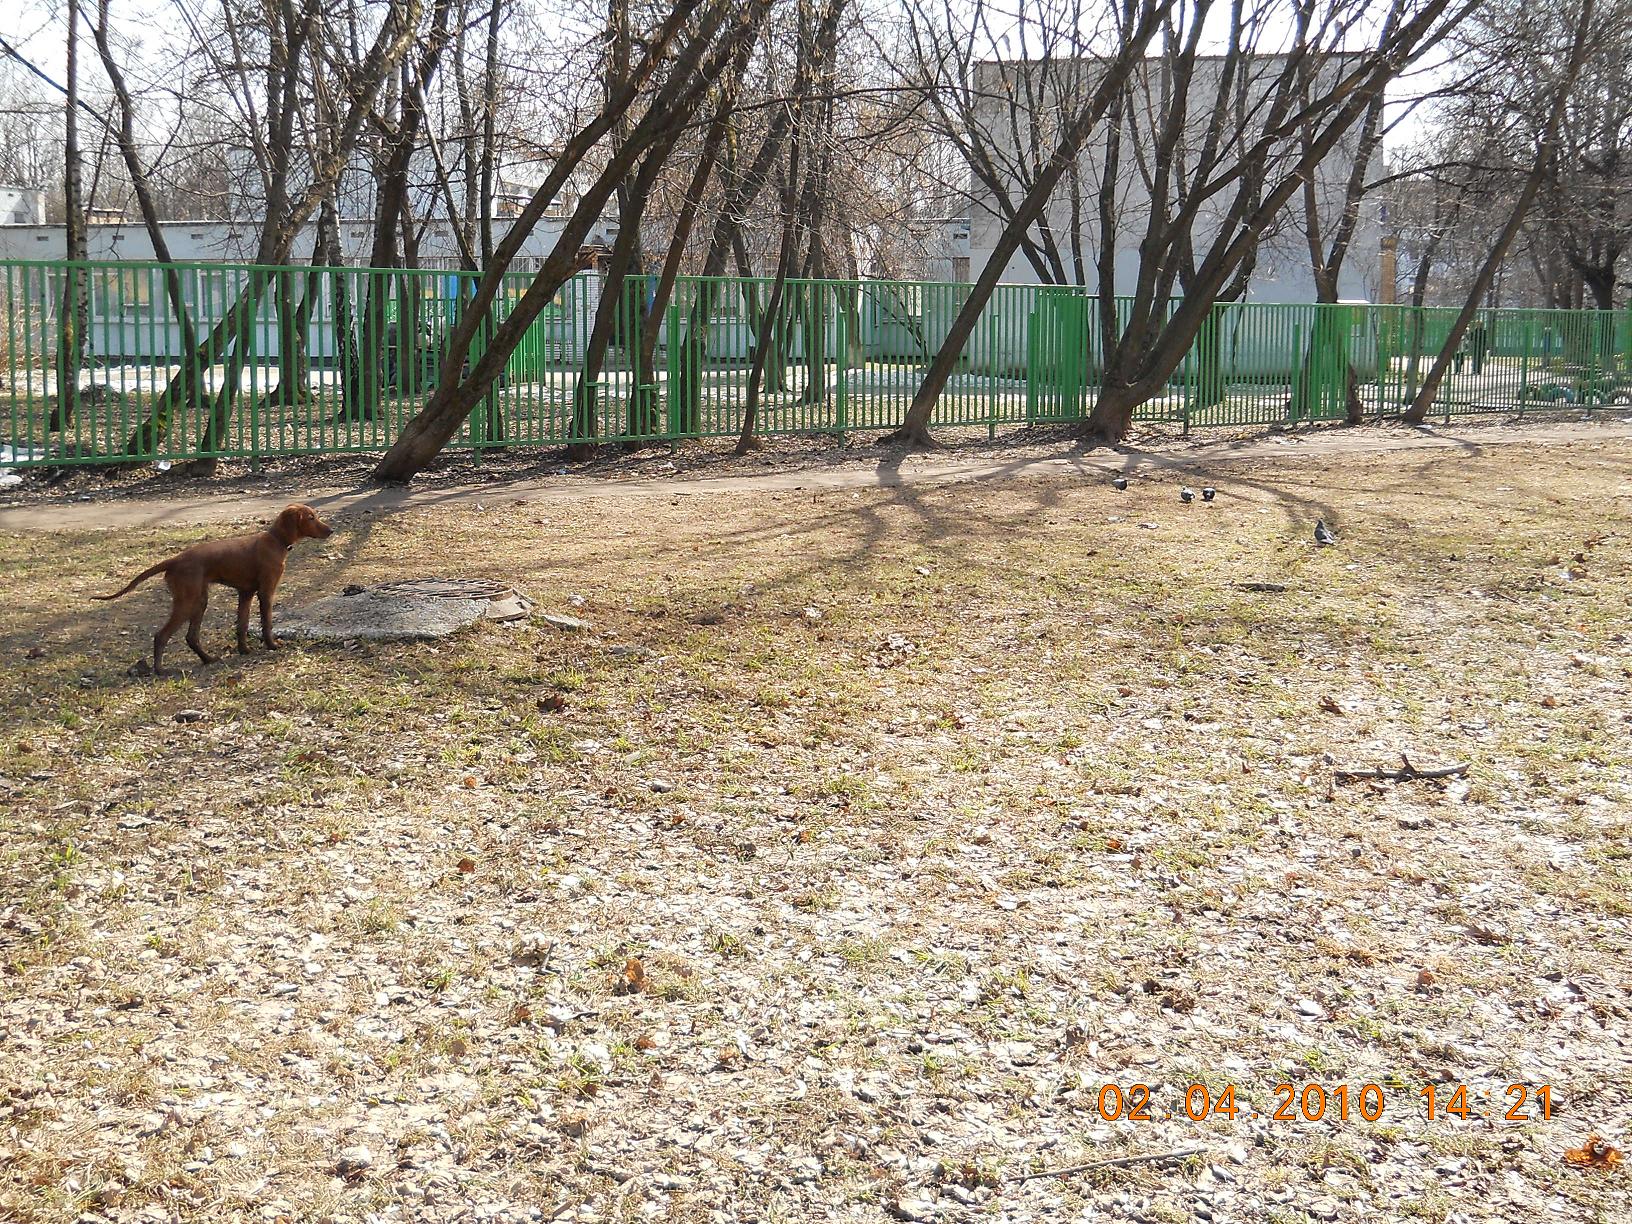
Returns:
<point x="1317" y="1102"/>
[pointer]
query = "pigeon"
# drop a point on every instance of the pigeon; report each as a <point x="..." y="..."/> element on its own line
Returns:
<point x="1322" y="535"/>
<point x="1186" y="495"/>
<point x="1119" y="483"/>
<point x="1207" y="492"/>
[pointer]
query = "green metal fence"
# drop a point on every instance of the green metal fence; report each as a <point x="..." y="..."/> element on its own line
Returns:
<point x="181" y="361"/>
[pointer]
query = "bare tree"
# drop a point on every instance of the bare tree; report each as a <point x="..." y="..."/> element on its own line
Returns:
<point x="278" y="67"/>
<point x="1227" y="150"/>
<point x="694" y="57"/>
<point x="1136" y="25"/>
<point x="1564" y="78"/>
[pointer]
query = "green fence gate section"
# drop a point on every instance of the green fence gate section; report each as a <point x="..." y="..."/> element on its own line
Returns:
<point x="1059" y="349"/>
<point x="179" y="361"/>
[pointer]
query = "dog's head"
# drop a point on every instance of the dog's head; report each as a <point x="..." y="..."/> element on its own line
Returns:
<point x="299" y="522"/>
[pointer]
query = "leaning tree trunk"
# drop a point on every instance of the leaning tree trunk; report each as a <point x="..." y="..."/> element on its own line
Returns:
<point x="188" y="384"/>
<point x="586" y="393"/>
<point x="769" y="324"/>
<point x="241" y="324"/>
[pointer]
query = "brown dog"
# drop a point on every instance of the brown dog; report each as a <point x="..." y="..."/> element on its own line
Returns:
<point x="250" y="565"/>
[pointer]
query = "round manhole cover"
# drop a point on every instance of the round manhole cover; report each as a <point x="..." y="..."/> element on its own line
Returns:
<point x="448" y="588"/>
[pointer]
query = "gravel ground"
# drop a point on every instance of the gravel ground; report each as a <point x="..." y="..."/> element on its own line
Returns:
<point x="835" y="871"/>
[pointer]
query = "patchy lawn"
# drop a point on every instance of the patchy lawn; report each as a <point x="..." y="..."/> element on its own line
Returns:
<point x="835" y="872"/>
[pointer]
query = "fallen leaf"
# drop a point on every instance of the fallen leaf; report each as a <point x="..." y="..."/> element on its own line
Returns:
<point x="520" y="1014"/>
<point x="1330" y="706"/>
<point x="1595" y="1153"/>
<point x="633" y="978"/>
<point x="1491" y="936"/>
<point x="1344" y="951"/>
<point x="645" y="1042"/>
<point x="467" y="864"/>
<point x="1179" y="999"/>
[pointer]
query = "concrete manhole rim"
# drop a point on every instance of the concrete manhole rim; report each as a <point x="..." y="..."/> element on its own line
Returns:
<point x="407" y="610"/>
<point x="445" y="588"/>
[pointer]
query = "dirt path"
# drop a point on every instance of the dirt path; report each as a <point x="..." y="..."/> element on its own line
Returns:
<point x="892" y="469"/>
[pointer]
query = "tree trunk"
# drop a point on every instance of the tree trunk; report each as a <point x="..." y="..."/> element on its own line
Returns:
<point x="75" y="317"/>
<point x="765" y="342"/>
<point x="586" y="403"/>
<point x="1419" y="320"/>
<point x="239" y="324"/>
<point x="294" y="387"/>
<point x="651" y="322"/>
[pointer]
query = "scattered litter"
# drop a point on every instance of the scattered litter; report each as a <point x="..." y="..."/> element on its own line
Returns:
<point x="1595" y="1153"/>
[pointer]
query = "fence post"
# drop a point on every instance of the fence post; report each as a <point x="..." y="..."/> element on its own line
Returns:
<point x="1524" y="362"/>
<point x="841" y="387"/>
<point x="1299" y="369"/>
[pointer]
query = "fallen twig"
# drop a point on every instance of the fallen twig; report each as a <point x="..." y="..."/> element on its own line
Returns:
<point x="1121" y="1162"/>
<point x="1406" y="773"/>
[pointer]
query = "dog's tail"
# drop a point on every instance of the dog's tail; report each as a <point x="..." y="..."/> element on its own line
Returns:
<point x="140" y="578"/>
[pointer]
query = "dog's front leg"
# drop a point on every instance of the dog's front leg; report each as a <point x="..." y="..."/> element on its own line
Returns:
<point x="244" y="599"/>
<point x="265" y="596"/>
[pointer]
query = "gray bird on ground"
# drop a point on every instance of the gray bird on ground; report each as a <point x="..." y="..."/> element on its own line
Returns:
<point x="1322" y="535"/>
<point x="1186" y="495"/>
<point x="1207" y="492"/>
<point x="1119" y="483"/>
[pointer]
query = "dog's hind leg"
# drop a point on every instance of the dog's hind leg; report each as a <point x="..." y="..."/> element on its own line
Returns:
<point x="161" y="639"/>
<point x="196" y="622"/>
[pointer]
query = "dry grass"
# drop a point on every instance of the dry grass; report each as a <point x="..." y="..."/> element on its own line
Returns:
<point x="1039" y="800"/>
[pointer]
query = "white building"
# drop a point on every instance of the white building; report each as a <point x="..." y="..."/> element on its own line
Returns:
<point x="1282" y="272"/>
<point x="132" y="321"/>
<point x="235" y="242"/>
<point x="21" y="205"/>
